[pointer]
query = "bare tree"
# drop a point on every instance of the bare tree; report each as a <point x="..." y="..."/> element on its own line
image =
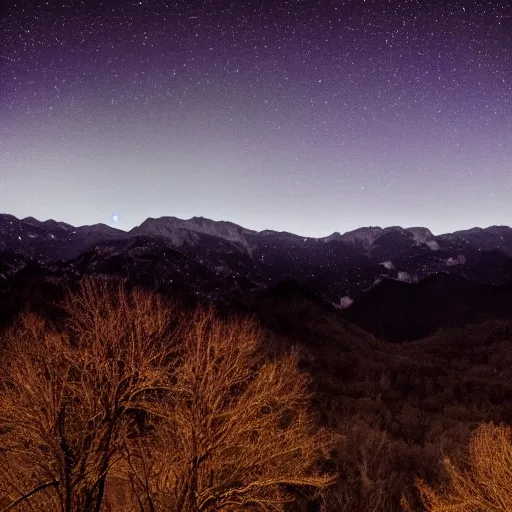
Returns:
<point x="483" y="482"/>
<point x="237" y="435"/>
<point x="370" y="482"/>
<point x="69" y="398"/>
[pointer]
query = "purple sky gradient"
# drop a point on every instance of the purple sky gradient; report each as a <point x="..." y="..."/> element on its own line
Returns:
<point x="304" y="116"/>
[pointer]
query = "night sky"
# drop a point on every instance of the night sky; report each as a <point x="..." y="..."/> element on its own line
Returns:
<point x="304" y="116"/>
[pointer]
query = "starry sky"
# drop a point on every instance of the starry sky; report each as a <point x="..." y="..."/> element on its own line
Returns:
<point x="296" y="115"/>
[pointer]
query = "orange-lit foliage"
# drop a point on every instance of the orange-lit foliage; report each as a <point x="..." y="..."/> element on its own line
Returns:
<point x="237" y="434"/>
<point x="117" y="409"/>
<point x="483" y="482"/>
<point x="67" y="397"/>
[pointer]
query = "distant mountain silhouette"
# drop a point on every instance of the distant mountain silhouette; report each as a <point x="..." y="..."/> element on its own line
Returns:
<point x="461" y="277"/>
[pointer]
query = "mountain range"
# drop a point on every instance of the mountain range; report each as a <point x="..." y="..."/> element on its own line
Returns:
<point x="380" y="277"/>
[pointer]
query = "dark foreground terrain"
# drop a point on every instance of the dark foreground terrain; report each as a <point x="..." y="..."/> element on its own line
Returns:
<point x="401" y="407"/>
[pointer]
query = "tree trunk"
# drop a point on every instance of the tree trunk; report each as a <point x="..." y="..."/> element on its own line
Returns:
<point x="192" y="490"/>
<point x="68" y="460"/>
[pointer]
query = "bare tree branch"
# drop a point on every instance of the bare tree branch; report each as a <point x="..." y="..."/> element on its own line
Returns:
<point x="70" y="398"/>
<point x="27" y="495"/>
<point x="239" y="432"/>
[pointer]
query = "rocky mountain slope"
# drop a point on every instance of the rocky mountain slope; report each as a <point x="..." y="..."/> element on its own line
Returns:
<point x="374" y="268"/>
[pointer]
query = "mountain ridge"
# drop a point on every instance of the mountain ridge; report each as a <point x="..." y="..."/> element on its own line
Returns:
<point x="223" y="261"/>
<point x="195" y="220"/>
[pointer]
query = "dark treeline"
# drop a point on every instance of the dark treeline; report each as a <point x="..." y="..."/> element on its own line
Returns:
<point x="116" y="398"/>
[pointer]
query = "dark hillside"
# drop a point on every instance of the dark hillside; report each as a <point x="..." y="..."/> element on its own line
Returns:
<point x="398" y="311"/>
